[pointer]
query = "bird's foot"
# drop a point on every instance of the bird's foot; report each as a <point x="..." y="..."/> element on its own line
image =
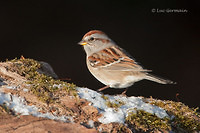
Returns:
<point x="124" y="92"/>
<point x="103" y="88"/>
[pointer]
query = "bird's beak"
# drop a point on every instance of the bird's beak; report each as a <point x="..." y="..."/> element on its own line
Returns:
<point x="82" y="43"/>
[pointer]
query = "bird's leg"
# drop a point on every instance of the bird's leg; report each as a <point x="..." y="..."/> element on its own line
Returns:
<point x="124" y="92"/>
<point x="103" y="88"/>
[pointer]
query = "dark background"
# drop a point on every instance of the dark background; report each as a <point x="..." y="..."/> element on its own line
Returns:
<point x="167" y="43"/>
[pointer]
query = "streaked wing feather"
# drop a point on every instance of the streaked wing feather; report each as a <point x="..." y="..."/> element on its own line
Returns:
<point x="114" y="58"/>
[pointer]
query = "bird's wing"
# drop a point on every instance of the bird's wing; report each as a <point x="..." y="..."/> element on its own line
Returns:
<point x="114" y="58"/>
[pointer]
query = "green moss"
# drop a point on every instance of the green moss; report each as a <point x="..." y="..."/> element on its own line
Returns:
<point x="120" y="102"/>
<point x="43" y="86"/>
<point x="26" y="67"/>
<point x="46" y="87"/>
<point x="112" y="104"/>
<point x="104" y="97"/>
<point x="115" y="104"/>
<point x="142" y="120"/>
<point x="184" y="117"/>
<point x="5" y="109"/>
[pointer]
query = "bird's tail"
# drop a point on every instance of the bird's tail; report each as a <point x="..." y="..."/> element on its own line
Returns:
<point x="158" y="79"/>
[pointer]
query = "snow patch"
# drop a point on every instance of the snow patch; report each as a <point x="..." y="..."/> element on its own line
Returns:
<point x="25" y="90"/>
<point x="91" y="123"/>
<point x="57" y="86"/>
<point x="11" y="87"/>
<point x="18" y="105"/>
<point x="131" y="104"/>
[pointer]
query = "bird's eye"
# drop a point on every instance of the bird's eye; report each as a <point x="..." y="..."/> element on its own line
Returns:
<point x="91" y="39"/>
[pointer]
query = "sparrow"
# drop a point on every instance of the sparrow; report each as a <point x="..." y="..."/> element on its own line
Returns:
<point x="112" y="65"/>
